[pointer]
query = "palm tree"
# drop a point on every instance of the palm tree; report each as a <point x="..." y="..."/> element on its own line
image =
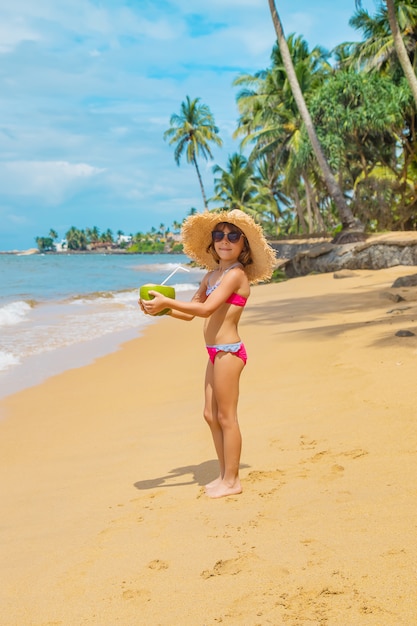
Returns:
<point x="192" y="131"/>
<point x="176" y="226"/>
<point x="390" y="39"/>
<point x="346" y="216"/>
<point x="402" y="53"/>
<point x="234" y="186"/>
<point x="380" y="42"/>
<point x="93" y="234"/>
<point x="76" y="239"/>
<point x="107" y="236"/>
<point x="271" y="121"/>
<point x="271" y="201"/>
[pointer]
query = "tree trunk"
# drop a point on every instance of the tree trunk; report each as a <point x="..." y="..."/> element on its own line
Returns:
<point x="400" y="49"/>
<point x="200" y="180"/>
<point x="318" y="219"/>
<point x="309" y="214"/>
<point x="300" y="214"/>
<point x="346" y="216"/>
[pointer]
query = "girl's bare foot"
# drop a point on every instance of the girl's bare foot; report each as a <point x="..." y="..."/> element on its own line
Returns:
<point x="213" y="483"/>
<point x="223" y="489"/>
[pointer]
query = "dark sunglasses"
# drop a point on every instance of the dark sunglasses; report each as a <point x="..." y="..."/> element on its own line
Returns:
<point x="219" y="235"/>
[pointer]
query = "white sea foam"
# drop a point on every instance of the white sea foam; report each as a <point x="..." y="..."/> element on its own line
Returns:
<point x="108" y="298"/>
<point x="7" y="360"/>
<point x="128" y="298"/>
<point x="156" y="267"/>
<point x="14" y="313"/>
<point x="186" y="287"/>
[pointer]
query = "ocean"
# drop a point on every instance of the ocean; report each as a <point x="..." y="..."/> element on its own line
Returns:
<point x="64" y="310"/>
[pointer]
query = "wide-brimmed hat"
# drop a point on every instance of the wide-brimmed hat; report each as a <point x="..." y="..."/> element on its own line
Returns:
<point x="196" y="237"/>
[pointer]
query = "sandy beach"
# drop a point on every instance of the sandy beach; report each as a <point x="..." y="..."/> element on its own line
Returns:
<point x="104" y="517"/>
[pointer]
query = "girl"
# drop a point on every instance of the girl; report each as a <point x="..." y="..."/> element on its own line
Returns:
<point x="232" y="246"/>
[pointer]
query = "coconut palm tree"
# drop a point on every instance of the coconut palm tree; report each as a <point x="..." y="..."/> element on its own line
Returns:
<point x="93" y="234"/>
<point x="390" y="37"/>
<point x="400" y="48"/>
<point x="406" y="21"/>
<point x="234" y="186"/>
<point x="76" y="239"/>
<point x="107" y="236"/>
<point x="272" y="122"/>
<point x="176" y="226"/>
<point x="346" y="216"/>
<point x="192" y="131"/>
<point x="271" y="202"/>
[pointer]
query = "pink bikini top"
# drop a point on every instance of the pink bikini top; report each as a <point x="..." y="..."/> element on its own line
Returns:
<point x="235" y="298"/>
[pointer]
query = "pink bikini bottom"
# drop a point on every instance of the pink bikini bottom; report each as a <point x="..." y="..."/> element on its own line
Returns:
<point x="235" y="348"/>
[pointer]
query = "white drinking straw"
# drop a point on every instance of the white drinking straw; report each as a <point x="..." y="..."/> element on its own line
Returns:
<point x="184" y="269"/>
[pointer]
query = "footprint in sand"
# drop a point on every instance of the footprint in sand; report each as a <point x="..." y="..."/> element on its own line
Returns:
<point x="307" y="443"/>
<point x="137" y="595"/>
<point x="158" y="565"/>
<point x="230" y="567"/>
<point x="327" y="455"/>
<point x="269" y="481"/>
<point x="328" y="463"/>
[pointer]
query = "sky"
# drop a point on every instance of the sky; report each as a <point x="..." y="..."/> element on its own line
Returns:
<point x="88" y="88"/>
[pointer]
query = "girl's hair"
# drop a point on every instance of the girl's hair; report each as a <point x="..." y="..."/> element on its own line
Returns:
<point x="245" y="257"/>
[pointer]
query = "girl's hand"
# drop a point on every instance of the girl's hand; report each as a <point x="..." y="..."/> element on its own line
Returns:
<point x="154" y="306"/>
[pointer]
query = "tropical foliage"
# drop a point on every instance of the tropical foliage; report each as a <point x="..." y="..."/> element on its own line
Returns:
<point x="163" y="239"/>
<point x="361" y="112"/>
<point x="47" y="244"/>
<point x="192" y="132"/>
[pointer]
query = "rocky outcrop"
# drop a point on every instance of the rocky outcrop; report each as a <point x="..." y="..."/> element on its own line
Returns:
<point x="376" y="253"/>
<point x="405" y="281"/>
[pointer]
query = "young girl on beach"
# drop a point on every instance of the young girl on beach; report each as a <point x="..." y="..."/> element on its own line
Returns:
<point x="234" y="250"/>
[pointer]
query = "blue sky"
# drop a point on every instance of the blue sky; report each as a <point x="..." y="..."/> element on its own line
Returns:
<point x="87" y="91"/>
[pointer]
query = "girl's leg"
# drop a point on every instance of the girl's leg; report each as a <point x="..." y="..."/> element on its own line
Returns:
<point x="210" y="415"/>
<point x="225" y="384"/>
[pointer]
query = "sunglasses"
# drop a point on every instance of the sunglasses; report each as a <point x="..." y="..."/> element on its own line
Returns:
<point x="219" y="235"/>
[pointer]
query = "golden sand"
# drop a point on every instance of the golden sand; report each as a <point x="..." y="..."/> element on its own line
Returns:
<point x="103" y="516"/>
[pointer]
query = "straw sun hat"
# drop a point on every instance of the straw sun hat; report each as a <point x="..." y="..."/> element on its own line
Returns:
<point x="196" y="237"/>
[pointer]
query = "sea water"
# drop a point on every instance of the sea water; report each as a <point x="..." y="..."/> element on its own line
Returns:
<point x="63" y="310"/>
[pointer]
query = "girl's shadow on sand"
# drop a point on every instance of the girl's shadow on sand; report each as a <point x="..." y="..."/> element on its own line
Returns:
<point x="200" y="474"/>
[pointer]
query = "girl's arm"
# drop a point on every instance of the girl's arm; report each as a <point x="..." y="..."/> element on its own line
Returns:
<point x="201" y="305"/>
<point x="186" y="317"/>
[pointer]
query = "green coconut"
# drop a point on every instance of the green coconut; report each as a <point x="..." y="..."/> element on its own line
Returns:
<point x="166" y="290"/>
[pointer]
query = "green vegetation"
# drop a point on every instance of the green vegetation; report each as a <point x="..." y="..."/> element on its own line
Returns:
<point x="163" y="240"/>
<point x="327" y="139"/>
<point x="47" y="244"/>
<point x="192" y="131"/>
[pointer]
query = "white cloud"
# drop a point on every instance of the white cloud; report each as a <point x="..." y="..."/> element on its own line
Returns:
<point x="15" y="32"/>
<point x="19" y="220"/>
<point x="52" y="181"/>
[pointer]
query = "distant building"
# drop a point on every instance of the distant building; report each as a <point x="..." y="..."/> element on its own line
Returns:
<point x="61" y="246"/>
<point x="124" y="239"/>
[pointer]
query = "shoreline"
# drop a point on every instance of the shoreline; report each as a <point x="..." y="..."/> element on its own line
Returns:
<point x="105" y="520"/>
<point x="102" y="251"/>
<point x="37" y="369"/>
